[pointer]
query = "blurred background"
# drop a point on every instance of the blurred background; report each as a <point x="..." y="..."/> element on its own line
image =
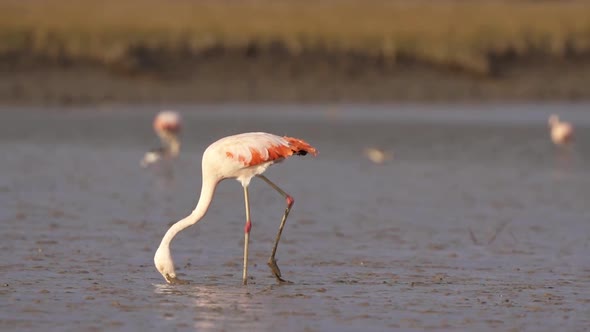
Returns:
<point x="444" y="197"/>
<point x="65" y="51"/>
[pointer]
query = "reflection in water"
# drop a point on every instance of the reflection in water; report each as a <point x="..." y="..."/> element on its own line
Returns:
<point x="216" y="305"/>
<point x="564" y="160"/>
<point x="163" y="173"/>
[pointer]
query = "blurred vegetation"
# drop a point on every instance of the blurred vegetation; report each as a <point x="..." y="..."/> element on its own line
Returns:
<point x="473" y="36"/>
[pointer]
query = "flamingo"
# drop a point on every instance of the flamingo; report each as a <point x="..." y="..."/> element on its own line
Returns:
<point x="377" y="156"/>
<point x="561" y="132"/>
<point x="242" y="157"/>
<point x="167" y="125"/>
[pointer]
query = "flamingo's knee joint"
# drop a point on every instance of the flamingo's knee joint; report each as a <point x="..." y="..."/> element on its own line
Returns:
<point x="247" y="227"/>
<point x="290" y="201"/>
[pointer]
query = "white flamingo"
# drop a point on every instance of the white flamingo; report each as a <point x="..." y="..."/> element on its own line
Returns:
<point x="167" y="125"/>
<point x="378" y="156"/>
<point x="561" y="132"/>
<point x="242" y="157"/>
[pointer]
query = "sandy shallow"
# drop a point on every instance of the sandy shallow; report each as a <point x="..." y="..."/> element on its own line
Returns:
<point x="477" y="223"/>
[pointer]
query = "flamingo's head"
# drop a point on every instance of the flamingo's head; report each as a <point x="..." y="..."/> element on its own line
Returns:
<point x="165" y="264"/>
<point x="553" y="120"/>
<point x="167" y="125"/>
<point x="151" y="157"/>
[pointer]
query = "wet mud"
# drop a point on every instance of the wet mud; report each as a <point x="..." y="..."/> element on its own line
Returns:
<point x="476" y="222"/>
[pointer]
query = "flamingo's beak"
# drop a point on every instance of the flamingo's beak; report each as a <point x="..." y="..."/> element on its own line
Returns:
<point x="173" y="280"/>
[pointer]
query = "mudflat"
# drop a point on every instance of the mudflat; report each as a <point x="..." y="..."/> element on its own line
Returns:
<point x="476" y="223"/>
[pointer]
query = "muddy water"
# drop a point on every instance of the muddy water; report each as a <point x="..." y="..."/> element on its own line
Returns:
<point x="477" y="223"/>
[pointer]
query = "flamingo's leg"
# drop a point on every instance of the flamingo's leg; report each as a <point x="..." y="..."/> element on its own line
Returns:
<point x="272" y="263"/>
<point x="247" y="228"/>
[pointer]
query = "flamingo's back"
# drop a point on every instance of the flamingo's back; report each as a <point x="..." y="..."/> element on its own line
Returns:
<point x="251" y="149"/>
<point x="245" y="155"/>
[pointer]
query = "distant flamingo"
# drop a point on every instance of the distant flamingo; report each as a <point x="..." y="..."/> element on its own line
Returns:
<point x="561" y="132"/>
<point x="167" y="125"/>
<point x="377" y="156"/>
<point x="242" y="157"/>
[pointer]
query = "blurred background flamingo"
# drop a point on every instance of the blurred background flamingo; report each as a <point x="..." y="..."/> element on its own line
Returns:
<point x="167" y="125"/>
<point x="561" y="132"/>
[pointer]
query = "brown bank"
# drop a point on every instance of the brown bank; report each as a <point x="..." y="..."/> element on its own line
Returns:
<point x="338" y="77"/>
<point x="293" y="51"/>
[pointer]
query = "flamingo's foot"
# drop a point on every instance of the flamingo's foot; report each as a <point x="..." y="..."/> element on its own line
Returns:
<point x="272" y="263"/>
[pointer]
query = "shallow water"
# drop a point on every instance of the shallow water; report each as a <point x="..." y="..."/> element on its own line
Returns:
<point x="477" y="223"/>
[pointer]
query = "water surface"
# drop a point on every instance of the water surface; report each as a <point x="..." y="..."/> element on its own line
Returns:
<point x="477" y="223"/>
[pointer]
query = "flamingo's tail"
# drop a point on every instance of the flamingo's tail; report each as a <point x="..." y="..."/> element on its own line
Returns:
<point x="300" y="147"/>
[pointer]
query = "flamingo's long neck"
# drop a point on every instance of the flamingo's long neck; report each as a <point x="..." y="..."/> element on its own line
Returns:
<point x="171" y="142"/>
<point x="207" y="191"/>
<point x="174" y="145"/>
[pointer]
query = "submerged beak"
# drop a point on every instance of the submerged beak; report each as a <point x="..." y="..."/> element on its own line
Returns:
<point x="175" y="281"/>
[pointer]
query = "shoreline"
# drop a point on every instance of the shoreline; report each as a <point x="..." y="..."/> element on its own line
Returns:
<point x="240" y="78"/>
<point x="292" y="51"/>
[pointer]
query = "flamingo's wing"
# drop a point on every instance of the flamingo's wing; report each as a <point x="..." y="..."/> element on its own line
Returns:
<point x="252" y="149"/>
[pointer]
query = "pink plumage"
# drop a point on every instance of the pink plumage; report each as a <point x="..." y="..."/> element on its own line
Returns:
<point x="242" y="157"/>
<point x="167" y="125"/>
<point x="167" y="121"/>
